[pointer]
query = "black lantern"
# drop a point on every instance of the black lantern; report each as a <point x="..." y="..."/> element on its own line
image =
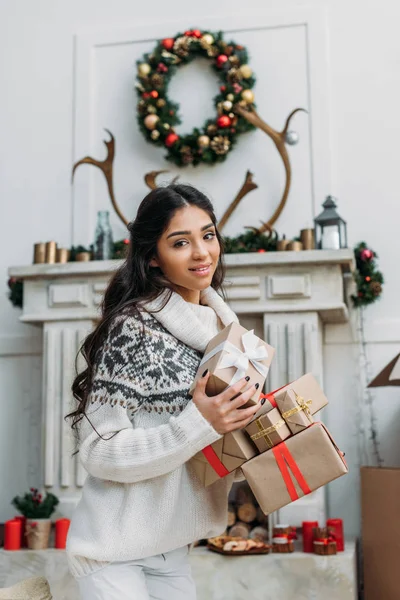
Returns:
<point x="330" y="228"/>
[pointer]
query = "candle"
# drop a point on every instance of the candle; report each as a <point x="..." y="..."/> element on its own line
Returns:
<point x="51" y="248"/>
<point x="330" y="239"/>
<point x="308" y="535"/>
<point x="307" y="239"/>
<point x="39" y="253"/>
<point x="22" y="519"/>
<point x="62" y="526"/>
<point x="336" y="529"/>
<point x="12" y="535"/>
<point x="62" y="255"/>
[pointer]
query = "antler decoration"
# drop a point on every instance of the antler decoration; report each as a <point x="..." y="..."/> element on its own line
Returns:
<point x="106" y="167"/>
<point x="279" y="139"/>
<point x="247" y="187"/>
<point x="150" y="178"/>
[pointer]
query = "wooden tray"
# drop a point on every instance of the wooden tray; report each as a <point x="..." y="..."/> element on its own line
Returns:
<point x="239" y="552"/>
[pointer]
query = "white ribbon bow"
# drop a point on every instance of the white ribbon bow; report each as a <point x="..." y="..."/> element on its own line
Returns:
<point x="234" y="357"/>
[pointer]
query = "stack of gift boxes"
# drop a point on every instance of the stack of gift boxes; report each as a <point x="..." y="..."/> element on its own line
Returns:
<point x="283" y="453"/>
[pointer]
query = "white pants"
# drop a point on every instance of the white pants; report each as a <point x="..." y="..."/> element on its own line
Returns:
<point x="163" y="577"/>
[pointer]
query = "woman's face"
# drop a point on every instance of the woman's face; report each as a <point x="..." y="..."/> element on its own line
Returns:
<point x="188" y="252"/>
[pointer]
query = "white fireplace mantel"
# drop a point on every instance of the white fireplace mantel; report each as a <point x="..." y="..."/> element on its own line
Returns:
<point x="286" y="296"/>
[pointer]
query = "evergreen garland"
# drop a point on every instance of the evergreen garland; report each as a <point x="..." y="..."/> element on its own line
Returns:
<point x="368" y="279"/>
<point x="158" y="114"/>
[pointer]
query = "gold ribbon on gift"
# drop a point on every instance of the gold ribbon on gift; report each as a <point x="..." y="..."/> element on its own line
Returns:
<point x="264" y="433"/>
<point x="302" y="405"/>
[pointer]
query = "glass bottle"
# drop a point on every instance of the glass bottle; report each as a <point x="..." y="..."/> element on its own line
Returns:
<point x="103" y="239"/>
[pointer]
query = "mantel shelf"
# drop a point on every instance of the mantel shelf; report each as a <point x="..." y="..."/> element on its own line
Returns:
<point x="344" y="258"/>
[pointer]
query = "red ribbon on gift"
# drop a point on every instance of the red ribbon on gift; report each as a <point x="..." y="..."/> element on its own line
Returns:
<point x="285" y="461"/>
<point x="271" y="396"/>
<point x="214" y="461"/>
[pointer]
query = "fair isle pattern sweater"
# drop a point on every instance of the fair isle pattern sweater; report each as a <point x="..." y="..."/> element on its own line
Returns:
<point x="141" y="496"/>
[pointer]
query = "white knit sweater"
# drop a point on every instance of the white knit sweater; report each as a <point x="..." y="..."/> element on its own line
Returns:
<point x="141" y="496"/>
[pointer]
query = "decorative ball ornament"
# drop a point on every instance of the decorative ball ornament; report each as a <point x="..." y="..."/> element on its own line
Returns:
<point x="247" y="96"/>
<point x="144" y="69"/>
<point x="203" y="141"/>
<point x="150" y="122"/>
<point x="208" y="143"/>
<point x="224" y="121"/>
<point x="206" y="40"/>
<point x="292" y="138"/>
<point x="366" y="254"/>
<point x="221" y="60"/>
<point x="171" y="139"/>
<point x="246" y="71"/>
<point x="168" y="43"/>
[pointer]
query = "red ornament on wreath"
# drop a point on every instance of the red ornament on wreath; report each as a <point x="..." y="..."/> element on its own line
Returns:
<point x="171" y="139"/>
<point x="224" y="121"/>
<point x="196" y="33"/>
<point x="154" y="94"/>
<point x="221" y="60"/>
<point x="168" y="43"/>
<point x="366" y="254"/>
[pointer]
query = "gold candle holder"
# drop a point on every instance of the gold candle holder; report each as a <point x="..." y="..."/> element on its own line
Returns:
<point x="282" y="244"/>
<point x="307" y="239"/>
<point x="51" y="250"/>
<point x="62" y="255"/>
<point x="39" y="253"/>
<point x="295" y="246"/>
<point x="83" y="256"/>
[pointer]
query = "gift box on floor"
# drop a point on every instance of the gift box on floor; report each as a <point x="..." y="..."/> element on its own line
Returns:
<point x="268" y="430"/>
<point x="223" y="456"/>
<point x="294" y="468"/>
<point x="232" y="354"/>
<point x="304" y="393"/>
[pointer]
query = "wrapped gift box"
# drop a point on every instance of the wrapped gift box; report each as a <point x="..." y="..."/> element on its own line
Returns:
<point x="223" y="456"/>
<point x="232" y="354"/>
<point x="268" y="430"/>
<point x="307" y="388"/>
<point x="295" y="410"/>
<point x="294" y="468"/>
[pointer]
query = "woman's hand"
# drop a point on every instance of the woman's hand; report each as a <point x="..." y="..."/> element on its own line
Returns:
<point x="224" y="411"/>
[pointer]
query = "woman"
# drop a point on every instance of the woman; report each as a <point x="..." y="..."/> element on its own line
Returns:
<point x="142" y="504"/>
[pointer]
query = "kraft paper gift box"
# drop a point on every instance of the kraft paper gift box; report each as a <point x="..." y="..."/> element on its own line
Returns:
<point x="306" y="387"/>
<point x="232" y="354"/>
<point x="294" y="468"/>
<point x="223" y="456"/>
<point x="268" y="430"/>
<point x="295" y="410"/>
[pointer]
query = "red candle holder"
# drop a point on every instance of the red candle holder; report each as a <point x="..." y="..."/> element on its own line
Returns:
<point x="336" y="530"/>
<point x="62" y="526"/>
<point x="308" y="535"/>
<point x="12" y="535"/>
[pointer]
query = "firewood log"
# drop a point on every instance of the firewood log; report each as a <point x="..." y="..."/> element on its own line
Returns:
<point x="231" y="515"/>
<point x="247" y="512"/>
<point x="239" y="530"/>
<point x="259" y="534"/>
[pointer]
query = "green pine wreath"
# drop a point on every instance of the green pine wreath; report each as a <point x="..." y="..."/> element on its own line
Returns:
<point x="157" y="114"/>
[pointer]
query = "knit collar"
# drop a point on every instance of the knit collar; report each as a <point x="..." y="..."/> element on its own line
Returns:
<point x="180" y="320"/>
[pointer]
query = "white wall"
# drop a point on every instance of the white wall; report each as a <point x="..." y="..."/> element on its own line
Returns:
<point x="36" y="74"/>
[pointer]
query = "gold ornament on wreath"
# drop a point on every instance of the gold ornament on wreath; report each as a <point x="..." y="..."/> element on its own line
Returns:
<point x="158" y="115"/>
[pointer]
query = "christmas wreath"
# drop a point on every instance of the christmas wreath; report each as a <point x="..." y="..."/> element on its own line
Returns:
<point x="157" y="114"/>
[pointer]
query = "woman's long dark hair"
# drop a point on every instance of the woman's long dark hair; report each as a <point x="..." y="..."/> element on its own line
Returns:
<point x="135" y="282"/>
